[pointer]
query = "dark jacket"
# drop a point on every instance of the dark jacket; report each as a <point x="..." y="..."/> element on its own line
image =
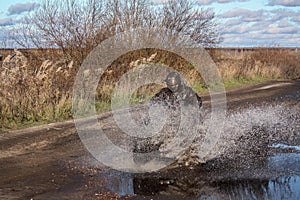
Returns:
<point x="187" y="96"/>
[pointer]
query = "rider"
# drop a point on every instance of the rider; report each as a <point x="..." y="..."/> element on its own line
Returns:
<point x="176" y="92"/>
<point x="173" y="96"/>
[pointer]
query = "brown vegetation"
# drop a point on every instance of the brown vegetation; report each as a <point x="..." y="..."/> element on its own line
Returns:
<point x="34" y="90"/>
<point x="275" y="63"/>
<point x="40" y="90"/>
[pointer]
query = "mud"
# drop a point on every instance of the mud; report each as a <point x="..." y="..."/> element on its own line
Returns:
<point x="50" y="162"/>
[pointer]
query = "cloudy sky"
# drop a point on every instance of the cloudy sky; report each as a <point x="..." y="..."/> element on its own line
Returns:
<point x="244" y="23"/>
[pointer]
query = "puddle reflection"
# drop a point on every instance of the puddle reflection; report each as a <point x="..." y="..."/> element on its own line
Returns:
<point x="279" y="178"/>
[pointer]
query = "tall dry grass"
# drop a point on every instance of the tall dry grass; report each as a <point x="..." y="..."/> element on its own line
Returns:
<point x="34" y="91"/>
<point x="272" y="63"/>
<point x="39" y="88"/>
<point x="130" y="61"/>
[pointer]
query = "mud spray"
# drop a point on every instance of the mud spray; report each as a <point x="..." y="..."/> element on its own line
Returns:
<point x="248" y="134"/>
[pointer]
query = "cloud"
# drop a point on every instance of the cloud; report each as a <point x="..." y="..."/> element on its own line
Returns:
<point x="21" y="7"/>
<point x="296" y="18"/>
<point x="257" y="39"/>
<point x="245" y="15"/>
<point x="200" y="2"/>
<point x="207" y="2"/>
<point x="232" y="22"/>
<point x="284" y="23"/>
<point x="279" y="14"/>
<point x="242" y="28"/>
<point x="228" y="1"/>
<point x="282" y="30"/>
<point x="288" y="3"/>
<point x="155" y="2"/>
<point x="6" y="22"/>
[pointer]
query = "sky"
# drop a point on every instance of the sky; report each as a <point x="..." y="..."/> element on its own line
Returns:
<point x="243" y="23"/>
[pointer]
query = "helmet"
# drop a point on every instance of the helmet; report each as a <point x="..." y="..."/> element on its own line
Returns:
<point x="173" y="81"/>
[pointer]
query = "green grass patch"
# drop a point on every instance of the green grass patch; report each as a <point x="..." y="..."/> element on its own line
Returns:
<point x="230" y="84"/>
<point x="241" y="82"/>
<point x="102" y="106"/>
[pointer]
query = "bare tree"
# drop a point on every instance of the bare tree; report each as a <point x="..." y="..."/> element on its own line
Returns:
<point x="128" y="14"/>
<point x="77" y="26"/>
<point x="70" y="25"/>
<point x="176" y="16"/>
<point x="187" y="18"/>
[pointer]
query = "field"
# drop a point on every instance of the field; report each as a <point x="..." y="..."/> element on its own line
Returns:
<point x="36" y="85"/>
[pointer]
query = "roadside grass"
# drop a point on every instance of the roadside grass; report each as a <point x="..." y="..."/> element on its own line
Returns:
<point x="101" y="106"/>
<point x="199" y="87"/>
<point x="237" y="83"/>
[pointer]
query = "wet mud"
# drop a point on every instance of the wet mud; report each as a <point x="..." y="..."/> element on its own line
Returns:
<point x="50" y="162"/>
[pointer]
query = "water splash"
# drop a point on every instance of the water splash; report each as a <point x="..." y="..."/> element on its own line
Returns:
<point x="247" y="133"/>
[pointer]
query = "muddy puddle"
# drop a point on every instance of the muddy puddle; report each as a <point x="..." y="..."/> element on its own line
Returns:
<point x="274" y="174"/>
<point x="259" y="172"/>
<point x="274" y="177"/>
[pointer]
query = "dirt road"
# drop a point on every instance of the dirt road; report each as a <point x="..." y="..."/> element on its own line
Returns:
<point x="49" y="161"/>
